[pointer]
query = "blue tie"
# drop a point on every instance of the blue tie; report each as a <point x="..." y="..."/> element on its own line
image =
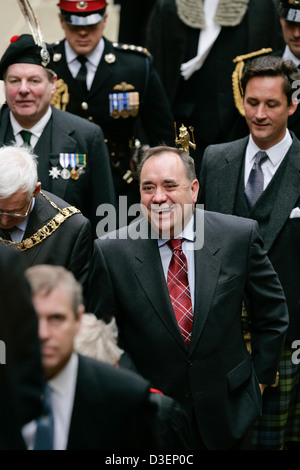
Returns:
<point x="255" y="183"/>
<point x="45" y="424"/>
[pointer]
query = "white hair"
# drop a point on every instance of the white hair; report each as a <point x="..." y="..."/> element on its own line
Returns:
<point x="18" y="170"/>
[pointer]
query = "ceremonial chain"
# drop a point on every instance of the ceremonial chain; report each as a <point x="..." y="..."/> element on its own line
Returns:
<point x="45" y="231"/>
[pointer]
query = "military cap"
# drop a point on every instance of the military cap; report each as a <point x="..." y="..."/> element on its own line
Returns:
<point x="82" y="13"/>
<point x="289" y="10"/>
<point x="23" y="50"/>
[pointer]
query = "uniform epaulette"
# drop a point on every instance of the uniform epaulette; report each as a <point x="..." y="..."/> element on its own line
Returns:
<point x="132" y="48"/>
<point x="237" y="74"/>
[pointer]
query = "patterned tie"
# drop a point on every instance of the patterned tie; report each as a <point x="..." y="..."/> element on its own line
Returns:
<point x="82" y="74"/>
<point x="255" y="183"/>
<point x="179" y="290"/>
<point x="26" y="136"/>
<point x="45" y="424"/>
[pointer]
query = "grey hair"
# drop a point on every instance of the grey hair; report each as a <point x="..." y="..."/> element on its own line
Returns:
<point x="187" y="160"/>
<point x="44" y="278"/>
<point x="18" y="170"/>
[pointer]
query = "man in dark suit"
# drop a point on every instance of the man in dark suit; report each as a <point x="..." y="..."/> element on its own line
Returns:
<point x="268" y="102"/>
<point x="203" y="38"/>
<point x="201" y="361"/>
<point x="21" y="367"/>
<point x="122" y="91"/>
<point x="45" y="228"/>
<point x="95" y="405"/>
<point x="73" y="159"/>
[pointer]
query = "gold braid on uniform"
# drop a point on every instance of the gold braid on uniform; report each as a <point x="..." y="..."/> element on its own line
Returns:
<point x="47" y="230"/>
<point x="237" y="74"/>
<point x="60" y="97"/>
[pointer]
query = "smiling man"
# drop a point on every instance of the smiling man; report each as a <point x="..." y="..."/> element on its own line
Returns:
<point x="73" y="158"/>
<point x="258" y="177"/>
<point x="178" y="306"/>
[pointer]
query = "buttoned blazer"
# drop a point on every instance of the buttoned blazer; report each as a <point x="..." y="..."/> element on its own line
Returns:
<point x="114" y="409"/>
<point x="219" y="179"/>
<point x="127" y="282"/>
<point x="66" y="133"/>
<point x="69" y="246"/>
<point x="132" y="67"/>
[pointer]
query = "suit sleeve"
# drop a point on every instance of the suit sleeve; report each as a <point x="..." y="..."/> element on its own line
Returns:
<point x="102" y="187"/>
<point x="81" y="255"/>
<point x="101" y="299"/>
<point x="267" y="310"/>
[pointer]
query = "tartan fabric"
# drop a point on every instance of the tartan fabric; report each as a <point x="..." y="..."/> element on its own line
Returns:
<point x="280" y="420"/>
<point x="179" y="290"/>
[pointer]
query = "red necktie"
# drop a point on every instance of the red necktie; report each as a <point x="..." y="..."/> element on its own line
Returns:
<point x="179" y="290"/>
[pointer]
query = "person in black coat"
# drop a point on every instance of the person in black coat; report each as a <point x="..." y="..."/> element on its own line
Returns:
<point x="204" y="38"/>
<point x="43" y="227"/>
<point x="21" y="368"/>
<point x="122" y="91"/>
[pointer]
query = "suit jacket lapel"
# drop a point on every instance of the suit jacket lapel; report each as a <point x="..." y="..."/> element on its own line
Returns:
<point x="228" y="175"/>
<point x="207" y="269"/>
<point x="288" y="195"/>
<point x="153" y="283"/>
<point x="60" y="136"/>
<point x="104" y="69"/>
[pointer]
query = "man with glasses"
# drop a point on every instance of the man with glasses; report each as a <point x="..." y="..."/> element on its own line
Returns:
<point x="45" y="228"/>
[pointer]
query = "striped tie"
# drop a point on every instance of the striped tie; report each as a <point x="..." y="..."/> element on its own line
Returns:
<point x="179" y="290"/>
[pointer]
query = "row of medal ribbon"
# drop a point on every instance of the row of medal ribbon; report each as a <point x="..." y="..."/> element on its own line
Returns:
<point x="77" y="162"/>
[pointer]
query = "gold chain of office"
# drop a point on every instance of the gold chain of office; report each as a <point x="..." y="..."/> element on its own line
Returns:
<point x="47" y="230"/>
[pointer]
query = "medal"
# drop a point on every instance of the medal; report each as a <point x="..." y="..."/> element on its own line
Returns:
<point x="64" y="161"/>
<point x="54" y="172"/>
<point x="73" y="161"/>
<point x="65" y="174"/>
<point x="74" y="174"/>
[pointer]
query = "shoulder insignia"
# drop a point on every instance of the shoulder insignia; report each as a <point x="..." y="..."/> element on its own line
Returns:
<point x="132" y="48"/>
<point x="237" y="74"/>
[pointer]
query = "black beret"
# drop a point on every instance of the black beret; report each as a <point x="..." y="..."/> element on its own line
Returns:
<point x="23" y="50"/>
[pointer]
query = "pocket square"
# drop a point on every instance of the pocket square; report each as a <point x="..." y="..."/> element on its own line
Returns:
<point x="295" y="213"/>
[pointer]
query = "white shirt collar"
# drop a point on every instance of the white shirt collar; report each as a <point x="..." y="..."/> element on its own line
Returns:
<point x="275" y="153"/>
<point x="65" y="379"/>
<point x="37" y="129"/>
<point x="187" y="233"/>
<point x="93" y="57"/>
<point x="289" y="55"/>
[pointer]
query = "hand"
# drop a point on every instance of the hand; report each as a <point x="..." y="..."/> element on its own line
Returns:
<point x="262" y="387"/>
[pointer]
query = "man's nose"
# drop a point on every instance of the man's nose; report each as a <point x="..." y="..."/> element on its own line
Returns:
<point x="160" y="195"/>
<point x="260" y="112"/>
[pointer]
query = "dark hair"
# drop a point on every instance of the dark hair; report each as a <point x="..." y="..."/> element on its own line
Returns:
<point x="272" y="66"/>
<point x="187" y="160"/>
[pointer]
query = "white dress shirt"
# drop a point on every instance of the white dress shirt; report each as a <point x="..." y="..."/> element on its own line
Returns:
<point x="165" y="252"/>
<point x="269" y="167"/>
<point x="288" y="55"/>
<point x="62" y="396"/>
<point x="93" y="60"/>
